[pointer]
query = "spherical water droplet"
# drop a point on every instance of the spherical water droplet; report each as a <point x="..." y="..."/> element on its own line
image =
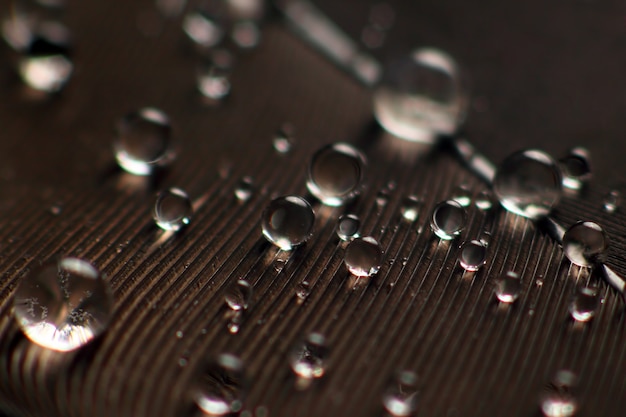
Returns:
<point x="221" y="386"/>
<point x="308" y="358"/>
<point x="239" y="295"/>
<point x="213" y="83"/>
<point x="448" y="220"/>
<point x="528" y="183"/>
<point x="246" y="34"/>
<point x="473" y="255"/>
<point x="64" y="304"/>
<point x="421" y="97"/>
<point x="612" y="201"/>
<point x="410" y="208"/>
<point x="283" y="140"/>
<point x="143" y="143"/>
<point x="557" y="400"/>
<point x="462" y="195"/>
<point x="348" y="226"/>
<point x="363" y="257"/>
<point x="244" y="189"/>
<point x="288" y="221"/>
<point x="484" y="200"/>
<point x="204" y="28"/>
<point x="172" y="209"/>
<point x="584" y="304"/>
<point x="585" y="243"/>
<point x="400" y="399"/>
<point x="576" y="168"/>
<point x="508" y="287"/>
<point x="335" y="174"/>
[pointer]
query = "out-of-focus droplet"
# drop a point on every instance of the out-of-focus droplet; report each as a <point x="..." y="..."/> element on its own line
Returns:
<point x="171" y="8"/>
<point x="220" y="386"/>
<point x="372" y="37"/>
<point x="400" y="398"/>
<point x="303" y="290"/>
<point x="336" y="173"/>
<point x="382" y="15"/>
<point x="363" y="257"/>
<point x="448" y="220"/>
<point x="288" y="221"/>
<point x="284" y="139"/>
<point x="421" y="97"/>
<point x="576" y="168"/>
<point x="508" y="287"/>
<point x="410" y="208"/>
<point x="64" y="304"/>
<point x="204" y="28"/>
<point x="244" y="189"/>
<point x="246" y="34"/>
<point x="612" y="201"/>
<point x="348" y="226"/>
<point x="172" y="209"/>
<point x="144" y="142"/>
<point x="558" y="400"/>
<point x="528" y="183"/>
<point x="473" y="255"/>
<point x="213" y="82"/>
<point x="308" y="358"/>
<point x="238" y="295"/>
<point x="585" y="243"/>
<point x="584" y="304"/>
<point x="484" y="200"/>
<point x="462" y="195"/>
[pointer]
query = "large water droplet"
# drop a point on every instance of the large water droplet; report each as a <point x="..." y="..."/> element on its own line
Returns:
<point x="410" y="208"/>
<point x="557" y="400"/>
<point x="348" y="226"/>
<point x="288" y="221"/>
<point x="335" y="173"/>
<point x="400" y="399"/>
<point x="363" y="257"/>
<point x="528" y="183"/>
<point x="473" y="255"/>
<point x="576" y="168"/>
<point x="308" y="358"/>
<point x="64" y="304"/>
<point x="448" y="220"/>
<point x="143" y="143"/>
<point x="239" y="295"/>
<point x="584" y="304"/>
<point x="585" y="243"/>
<point x="283" y="140"/>
<point x="221" y="386"/>
<point x="421" y="96"/>
<point x="612" y="201"/>
<point x="172" y="209"/>
<point x="508" y="287"/>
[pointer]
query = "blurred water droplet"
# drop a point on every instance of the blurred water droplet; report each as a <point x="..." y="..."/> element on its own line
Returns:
<point x="244" y="189"/>
<point x="584" y="304"/>
<point x="246" y="34"/>
<point x="485" y="238"/>
<point x="179" y="334"/>
<point x="348" y="226"/>
<point x="213" y="82"/>
<point x="448" y="220"/>
<point x="283" y="140"/>
<point x="63" y="305"/>
<point x="308" y="358"/>
<point x="462" y="195"/>
<point x="558" y="400"/>
<point x="143" y="142"/>
<point x="221" y="386"/>
<point x="302" y="291"/>
<point x="363" y="257"/>
<point x="335" y="173"/>
<point x="612" y="201"/>
<point x="56" y="209"/>
<point x="172" y="209"/>
<point x="410" y="208"/>
<point x="171" y="8"/>
<point x="235" y="318"/>
<point x="585" y="243"/>
<point x="473" y="255"/>
<point x="239" y="295"/>
<point x="382" y="15"/>
<point x="576" y="168"/>
<point x="400" y="398"/>
<point x="508" y="287"/>
<point x="288" y="221"/>
<point x="204" y="28"/>
<point x="484" y="200"/>
<point x="382" y="197"/>
<point x="528" y="183"/>
<point x="421" y="97"/>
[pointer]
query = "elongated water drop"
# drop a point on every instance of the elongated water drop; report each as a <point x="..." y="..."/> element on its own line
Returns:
<point x="220" y="386"/>
<point x="172" y="209"/>
<point x="308" y="358"/>
<point x="585" y="243"/>
<point x="204" y="28"/>
<point x="348" y="226"/>
<point x="508" y="287"/>
<point x="239" y="295"/>
<point x="363" y="257"/>
<point x="400" y="398"/>
<point x="448" y="220"/>
<point x="288" y="221"/>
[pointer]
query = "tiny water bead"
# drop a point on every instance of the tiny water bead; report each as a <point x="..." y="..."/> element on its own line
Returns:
<point x="448" y="220"/>
<point x="410" y="208"/>
<point x="422" y="96"/>
<point x="585" y="243"/>
<point x="302" y="291"/>
<point x="308" y="358"/>
<point x="484" y="200"/>
<point x="239" y="295"/>
<point x="473" y="255"/>
<point x="576" y="168"/>
<point x="284" y="139"/>
<point x="288" y="221"/>
<point x="400" y="399"/>
<point x="584" y="304"/>
<point x="462" y="195"/>
<point x="508" y="287"/>
<point x="528" y="183"/>
<point x="63" y="304"/>
<point x="557" y="399"/>
<point x="363" y="257"/>
<point x="336" y="173"/>
<point x="612" y="201"/>
<point x="204" y="28"/>
<point x="172" y="209"/>
<point x="244" y="189"/>
<point x="221" y="386"/>
<point x="143" y="143"/>
<point x="348" y="226"/>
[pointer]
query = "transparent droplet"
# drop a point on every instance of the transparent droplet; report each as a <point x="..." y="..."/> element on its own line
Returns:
<point x="283" y="140"/>
<point x="473" y="255"/>
<point x="221" y="386"/>
<point x="363" y="257"/>
<point x="348" y="226"/>
<point x="612" y="201"/>
<point x="528" y="183"/>
<point x="557" y="399"/>
<point x="172" y="209"/>
<point x="303" y="290"/>
<point x="576" y="168"/>
<point x="508" y="287"/>
<point x="484" y="200"/>
<point x="335" y="174"/>
<point x="288" y="221"/>
<point x="410" y="208"/>
<point x="213" y="82"/>
<point x="56" y="209"/>
<point x="421" y="97"/>
<point x="244" y="189"/>
<point x="400" y="398"/>
<point x="462" y="195"/>
<point x="584" y="304"/>
<point x="143" y="142"/>
<point x="448" y="220"/>
<point x="246" y="34"/>
<point x="308" y="358"/>
<point x="64" y="304"/>
<point x="204" y="28"/>
<point x="382" y="197"/>
<point x="585" y="243"/>
<point x="239" y="295"/>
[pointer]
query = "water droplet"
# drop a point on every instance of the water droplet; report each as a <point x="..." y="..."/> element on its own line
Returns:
<point x="246" y="34"/>
<point x="528" y="183"/>
<point x="421" y="97"/>
<point x="179" y="334"/>
<point x="576" y="168"/>
<point x="557" y="400"/>
<point x="584" y="304"/>
<point x="288" y="221"/>
<point x="56" y="209"/>
<point x="303" y="290"/>
<point x="203" y="28"/>
<point x="335" y="174"/>
<point x="462" y="195"/>
<point x="400" y="399"/>
<point x="244" y="189"/>
<point x="64" y="304"/>
<point x="484" y="200"/>
<point x="363" y="257"/>
<point x="382" y="197"/>
<point x="473" y="255"/>
<point x="348" y="226"/>
<point x="221" y="386"/>
<point x="448" y="220"/>
<point x="308" y="358"/>
<point x="585" y="243"/>
<point x="283" y="140"/>
<point x="508" y="287"/>
<point x="213" y="76"/>
<point x="612" y="201"/>
<point x="239" y="295"/>
<point x="143" y="142"/>
<point x="410" y="208"/>
<point x="172" y="209"/>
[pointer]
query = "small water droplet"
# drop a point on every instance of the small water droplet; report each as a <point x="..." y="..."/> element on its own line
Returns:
<point x="410" y="208"/>
<point x="308" y="358"/>
<point x="363" y="257"/>
<point x="302" y="291"/>
<point x="576" y="168"/>
<point x="172" y="209"/>
<point x="63" y="304"/>
<point x="473" y="255"/>
<point x="213" y="76"/>
<point x="221" y="386"/>
<point x="585" y="243"/>
<point x="179" y="334"/>
<point x="203" y="28"/>
<point x="234" y="321"/>
<point x="283" y="140"/>
<point x="348" y="226"/>
<point x="246" y="34"/>
<point x="484" y="200"/>
<point x="335" y="174"/>
<point x="400" y="399"/>
<point x="244" y="189"/>
<point x="485" y="238"/>
<point x="508" y="287"/>
<point x="56" y="209"/>
<point x="528" y="183"/>
<point x="288" y="221"/>
<point x="448" y="220"/>
<point x="612" y="201"/>
<point x="462" y="195"/>
<point x="558" y="400"/>
<point x="584" y="304"/>
<point x="239" y="295"/>
<point x="382" y="197"/>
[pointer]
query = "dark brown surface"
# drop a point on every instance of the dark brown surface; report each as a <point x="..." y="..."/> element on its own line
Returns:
<point x="546" y="75"/>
